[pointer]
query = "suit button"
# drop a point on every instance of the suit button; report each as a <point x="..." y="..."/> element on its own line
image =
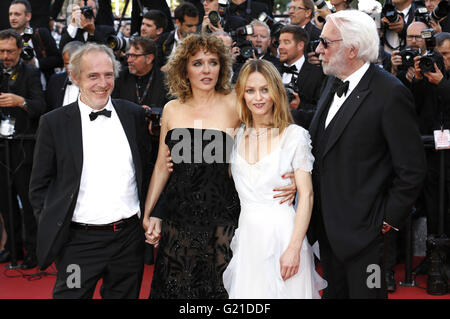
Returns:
<point x="59" y="223"/>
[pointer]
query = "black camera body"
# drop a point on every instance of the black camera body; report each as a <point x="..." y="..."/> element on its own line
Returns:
<point x="154" y="115"/>
<point x="275" y="27"/>
<point x="291" y="87"/>
<point x="27" y="53"/>
<point x="87" y="11"/>
<point x="245" y="46"/>
<point x="390" y="12"/>
<point x="408" y="54"/>
<point x="422" y="15"/>
<point x="428" y="60"/>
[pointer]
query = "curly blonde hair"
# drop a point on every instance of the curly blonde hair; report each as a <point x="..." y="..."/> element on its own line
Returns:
<point x="177" y="81"/>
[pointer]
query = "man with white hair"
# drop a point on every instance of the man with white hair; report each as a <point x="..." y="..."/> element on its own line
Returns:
<point x="369" y="159"/>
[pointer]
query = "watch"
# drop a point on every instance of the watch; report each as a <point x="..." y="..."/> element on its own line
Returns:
<point x="25" y="105"/>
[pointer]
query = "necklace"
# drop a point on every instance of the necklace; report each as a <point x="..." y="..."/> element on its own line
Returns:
<point x="255" y="133"/>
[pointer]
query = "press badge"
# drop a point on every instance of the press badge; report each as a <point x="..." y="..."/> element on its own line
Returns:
<point x="442" y="139"/>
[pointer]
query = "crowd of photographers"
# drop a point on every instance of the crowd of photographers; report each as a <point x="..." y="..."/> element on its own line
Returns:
<point x="414" y="46"/>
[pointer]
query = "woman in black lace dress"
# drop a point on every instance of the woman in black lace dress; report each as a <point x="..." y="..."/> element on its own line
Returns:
<point x="201" y="203"/>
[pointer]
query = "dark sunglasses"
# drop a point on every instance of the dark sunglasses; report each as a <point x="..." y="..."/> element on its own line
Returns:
<point x="326" y="43"/>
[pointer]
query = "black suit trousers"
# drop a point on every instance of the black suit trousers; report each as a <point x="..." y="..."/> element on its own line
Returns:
<point x="116" y="257"/>
<point x="355" y="278"/>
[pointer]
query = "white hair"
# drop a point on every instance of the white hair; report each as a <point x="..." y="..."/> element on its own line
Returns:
<point x="357" y="30"/>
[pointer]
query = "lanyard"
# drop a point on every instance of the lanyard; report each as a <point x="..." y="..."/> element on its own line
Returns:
<point x="149" y="82"/>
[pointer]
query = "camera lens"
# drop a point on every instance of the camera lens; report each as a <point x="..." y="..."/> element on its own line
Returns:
<point x="214" y="18"/>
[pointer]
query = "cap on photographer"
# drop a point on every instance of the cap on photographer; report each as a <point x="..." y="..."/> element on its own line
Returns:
<point x="82" y="25"/>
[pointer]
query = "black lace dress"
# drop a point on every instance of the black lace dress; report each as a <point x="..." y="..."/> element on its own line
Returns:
<point x="201" y="214"/>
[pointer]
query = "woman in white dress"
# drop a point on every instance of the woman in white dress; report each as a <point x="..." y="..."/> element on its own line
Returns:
<point x="271" y="255"/>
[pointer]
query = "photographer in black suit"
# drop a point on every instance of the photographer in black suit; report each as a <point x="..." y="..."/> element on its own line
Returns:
<point x="143" y="82"/>
<point x="46" y="55"/>
<point x="21" y="99"/>
<point x="83" y="28"/>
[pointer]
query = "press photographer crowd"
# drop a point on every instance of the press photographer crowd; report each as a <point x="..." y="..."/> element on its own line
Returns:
<point x="42" y="71"/>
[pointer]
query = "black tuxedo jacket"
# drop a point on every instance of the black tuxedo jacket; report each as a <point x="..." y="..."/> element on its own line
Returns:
<point x="309" y="85"/>
<point x="46" y="52"/>
<point x="57" y="167"/>
<point x="56" y="88"/>
<point x="372" y="167"/>
<point x="101" y="33"/>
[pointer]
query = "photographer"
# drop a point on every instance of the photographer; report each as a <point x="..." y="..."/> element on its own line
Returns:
<point x="42" y="51"/>
<point x="397" y="15"/>
<point x="304" y="78"/>
<point x="83" y="28"/>
<point x="403" y="67"/>
<point x="436" y="14"/>
<point x="245" y="9"/>
<point x="21" y="101"/>
<point x="143" y="82"/>
<point x="301" y="13"/>
<point x="212" y="21"/>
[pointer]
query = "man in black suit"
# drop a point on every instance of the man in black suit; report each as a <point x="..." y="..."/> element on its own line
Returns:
<point x="186" y="21"/>
<point x="369" y="159"/>
<point x="143" y="82"/>
<point x="301" y="13"/>
<point x="60" y="90"/>
<point x="306" y="78"/>
<point x="21" y="98"/>
<point x="140" y="7"/>
<point x="88" y="184"/>
<point x="84" y="29"/>
<point x="46" y="54"/>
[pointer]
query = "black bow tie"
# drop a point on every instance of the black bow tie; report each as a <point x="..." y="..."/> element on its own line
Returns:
<point x="290" y="69"/>
<point x="339" y="87"/>
<point x="94" y="115"/>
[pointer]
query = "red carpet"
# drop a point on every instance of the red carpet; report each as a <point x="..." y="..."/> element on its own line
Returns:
<point x="13" y="285"/>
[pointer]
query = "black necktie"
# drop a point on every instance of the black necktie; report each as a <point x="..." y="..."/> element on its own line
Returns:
<point x="339" y="87"/>
<point x="104" y="112"/>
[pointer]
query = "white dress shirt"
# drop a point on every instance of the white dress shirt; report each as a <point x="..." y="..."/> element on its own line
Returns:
<point x="298" y="64"/>
<point x="108" y="190"/>
<point x="353" y="80"/>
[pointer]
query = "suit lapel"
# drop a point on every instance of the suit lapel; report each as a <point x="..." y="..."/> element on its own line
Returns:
<point x="350" y="106"/>
<point x="74" y="135"/>
<point x="321" y="106"/>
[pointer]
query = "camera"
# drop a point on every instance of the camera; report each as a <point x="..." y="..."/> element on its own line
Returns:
<point x="408" y="54"/>
<point x="427" y="61"/>
<point x="320" y="4"/>
<point x="275" y="27"/>
<point x="312" y="46"/>
<point x="115" y="42"/>
<point x="27" y="53"/>
<point x="291" y="88"/>
<point x="154" y="115"/>
<point x="390" y="12"/>
<point x="244" y="45"/>
<point x="440" y="11"/>
<point x="421" y="15"/>
<point x="87" y="11"/>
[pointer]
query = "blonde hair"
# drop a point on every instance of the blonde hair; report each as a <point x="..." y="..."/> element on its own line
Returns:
<point x="282" y="117"/>
<point x="177" y="81"/>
